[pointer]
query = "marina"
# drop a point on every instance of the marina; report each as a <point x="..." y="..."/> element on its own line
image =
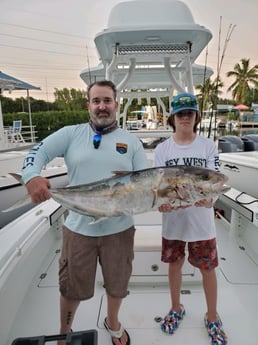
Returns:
<point x="135" y="55"/>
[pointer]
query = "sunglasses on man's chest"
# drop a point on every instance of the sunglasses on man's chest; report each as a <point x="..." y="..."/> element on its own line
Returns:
<point x="97" y="140"/>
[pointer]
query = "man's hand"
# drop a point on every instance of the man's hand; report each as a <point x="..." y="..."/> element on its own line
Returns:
<point x="38" y="189"/>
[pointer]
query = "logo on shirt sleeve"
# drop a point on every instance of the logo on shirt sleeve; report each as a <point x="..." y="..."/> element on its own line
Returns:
<point x="121" y="147"/>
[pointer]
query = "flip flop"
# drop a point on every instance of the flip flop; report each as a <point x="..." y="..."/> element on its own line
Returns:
<point x="117" y="334"/>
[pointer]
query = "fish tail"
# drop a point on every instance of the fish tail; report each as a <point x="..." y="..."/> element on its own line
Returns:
<point x="17" y="177"/>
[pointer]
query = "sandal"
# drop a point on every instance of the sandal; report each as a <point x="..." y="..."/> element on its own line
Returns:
<point x="172" y="320"/>
<point x="117" y="334"/>
<point x="216" y="332"/>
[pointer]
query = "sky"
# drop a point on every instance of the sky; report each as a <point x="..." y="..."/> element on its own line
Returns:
<point x="48" y="43"/>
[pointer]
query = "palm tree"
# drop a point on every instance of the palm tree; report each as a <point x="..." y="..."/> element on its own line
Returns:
<point x="244" y="75"/>
<point x="208" y="97"/>
<point x="209" y="92"/>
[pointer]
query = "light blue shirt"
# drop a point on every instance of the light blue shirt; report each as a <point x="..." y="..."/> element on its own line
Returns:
<point x="118" y="151"/>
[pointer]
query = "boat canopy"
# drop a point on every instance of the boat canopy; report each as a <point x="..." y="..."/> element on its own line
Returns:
<point x="150" y="45"/>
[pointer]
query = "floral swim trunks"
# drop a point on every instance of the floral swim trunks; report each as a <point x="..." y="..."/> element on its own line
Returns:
<point x="201" y="254"/>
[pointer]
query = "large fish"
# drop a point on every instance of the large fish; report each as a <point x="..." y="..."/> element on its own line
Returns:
<point x="129" y="193"/>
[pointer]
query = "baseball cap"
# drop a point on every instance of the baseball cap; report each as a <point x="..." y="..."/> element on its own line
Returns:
<point x="183" y="101"/>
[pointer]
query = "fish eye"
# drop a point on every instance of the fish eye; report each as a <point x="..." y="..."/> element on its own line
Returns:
<point x="205" y="177"/>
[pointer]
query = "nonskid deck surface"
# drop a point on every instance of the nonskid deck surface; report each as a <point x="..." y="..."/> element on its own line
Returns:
<point x="237" y="303"/>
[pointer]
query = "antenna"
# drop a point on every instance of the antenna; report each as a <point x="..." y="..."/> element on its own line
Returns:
<point x="204" y="75"/>
<point x="229" y="33"/>
<point x="88" y="62"/>
<point x="219" y="42"/>
<point x="204" y="78"/>
<point x="219" y="65"/>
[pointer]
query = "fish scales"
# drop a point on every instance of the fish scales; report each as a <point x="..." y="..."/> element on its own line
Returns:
<point x="129" y="193"/>
<point x="144" y="190"/>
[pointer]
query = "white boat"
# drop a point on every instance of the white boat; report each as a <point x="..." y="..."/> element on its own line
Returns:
<point x="30" y="249"/>
<point x="211" y="121"/>
<point x="11" y="161"/>
<point x="213" y="124"/>
<point x="12" y="154"/>
<point x="239" y="161"/>
<point x="242" y="170"/>
<point x="11" y="190"/>
<point x="231" y="125"/>
<point x="152" y="49"/>
<point x="29" y="252"/>
<point x="29" y="297"/>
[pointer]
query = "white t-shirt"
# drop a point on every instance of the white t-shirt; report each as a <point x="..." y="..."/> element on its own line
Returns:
<point x="192" y="223"/>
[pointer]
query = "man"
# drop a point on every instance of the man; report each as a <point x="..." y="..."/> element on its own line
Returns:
<point x="92" y="151"/>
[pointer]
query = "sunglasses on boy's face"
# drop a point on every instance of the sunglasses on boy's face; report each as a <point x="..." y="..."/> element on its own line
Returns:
<point x="187" y="101"/>
<point x="188" y="113"/>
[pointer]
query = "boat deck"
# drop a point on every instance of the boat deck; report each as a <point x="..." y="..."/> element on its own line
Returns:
<point x="148" y="297"/>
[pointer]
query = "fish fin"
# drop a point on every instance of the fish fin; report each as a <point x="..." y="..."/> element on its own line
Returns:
<point x="20" y="203"/>
<point x="155" y="197"/>
<point x="121" y="172"/>
<point x="156" y="185"/>
<point x="17" y="177"/>
<point x="225" y="188"/>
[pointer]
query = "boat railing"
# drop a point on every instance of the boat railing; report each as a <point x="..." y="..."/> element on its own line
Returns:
<point x="20" y="135"/>
<point x="17" y="249"/>
<point x="29" y="133"/>
<point x="17" y="235"/>
<point x="155" y="133"/>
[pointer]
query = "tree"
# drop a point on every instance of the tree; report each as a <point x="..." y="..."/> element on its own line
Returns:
<point x="70" y="99"/>
<point x="244" y="76"/>
<point x="252" y="96"/>
<point x="209" y="92"/>
<point x="208" y="98"/>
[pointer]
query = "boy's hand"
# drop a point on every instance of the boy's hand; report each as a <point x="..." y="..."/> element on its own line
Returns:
<point x="204" y="203"/>
<point x="169" y="208"/>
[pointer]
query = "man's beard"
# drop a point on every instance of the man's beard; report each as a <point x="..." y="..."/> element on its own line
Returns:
<point x="102" y="122"/>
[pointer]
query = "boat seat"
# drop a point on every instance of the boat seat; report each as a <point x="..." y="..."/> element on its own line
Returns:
<point x="14" y="135"/>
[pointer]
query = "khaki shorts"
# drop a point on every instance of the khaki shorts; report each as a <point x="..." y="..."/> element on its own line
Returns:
<point x="78" y="263"/>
